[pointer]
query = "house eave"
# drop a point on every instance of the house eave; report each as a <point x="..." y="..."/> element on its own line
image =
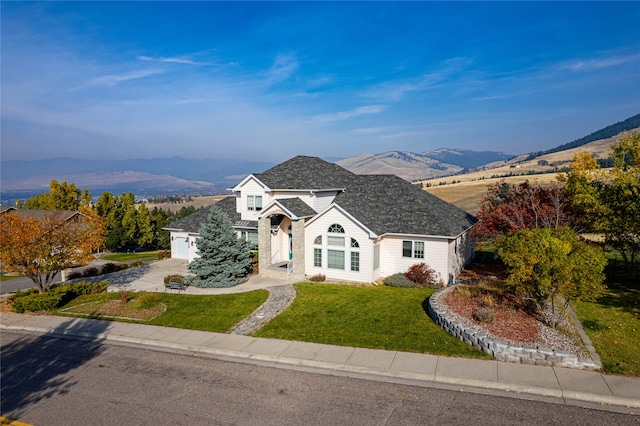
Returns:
<point x="372" y="234"/>
<point x="245" y="180"/>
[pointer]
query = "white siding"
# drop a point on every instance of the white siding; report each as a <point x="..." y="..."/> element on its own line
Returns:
<point x="323" y="200"/>
<point x="250" y="187"/>
<point x="461" y="251"/>
<point x="317" y="201"/>
<point x="192" y="246"/>
<point x="391" y="259"/>
<point x="320" y="227"/>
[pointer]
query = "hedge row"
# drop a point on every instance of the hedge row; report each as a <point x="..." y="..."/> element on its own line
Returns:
<point x="56" y="297"/>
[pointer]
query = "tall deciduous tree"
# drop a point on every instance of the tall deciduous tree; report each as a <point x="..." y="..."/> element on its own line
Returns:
<point x="610" y="199"/>
<point x="61" y="196"/>
<point x="545" y="263"/>
<point x="506" y="208"/>
<point x="224" y="259"/>
<point x="39" y="248"/>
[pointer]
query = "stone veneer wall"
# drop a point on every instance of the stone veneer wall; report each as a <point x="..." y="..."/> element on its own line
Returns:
<point x="504" y="350"/>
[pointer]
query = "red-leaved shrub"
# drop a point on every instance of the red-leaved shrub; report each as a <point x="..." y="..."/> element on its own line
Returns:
<point x="422" y="275"/>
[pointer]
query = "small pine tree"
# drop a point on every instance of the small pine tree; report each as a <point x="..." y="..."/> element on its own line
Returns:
<point x="224" y="259"/>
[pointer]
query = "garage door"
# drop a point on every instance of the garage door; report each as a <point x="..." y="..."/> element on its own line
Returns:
<point x="181" y="247"/>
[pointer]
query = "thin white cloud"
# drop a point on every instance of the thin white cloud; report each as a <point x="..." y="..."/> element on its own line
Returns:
<point x="115" y="79"/>
<point x="284" y="66"/>
<point x="396" y="90"/>
<point x="169" y="60"/>
<point x="346" y="115"/>
<point x="369" y="130"/>
<point x="585" y="65"/>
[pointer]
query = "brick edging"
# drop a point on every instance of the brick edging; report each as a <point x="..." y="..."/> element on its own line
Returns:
<point x="504" y="350"/>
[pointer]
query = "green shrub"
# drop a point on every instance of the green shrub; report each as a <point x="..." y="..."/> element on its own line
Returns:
<point x="146" y="301"/>
<point x="37" y="302"/>
<point x="56" y="296"/>
<point x="399" y="280"/>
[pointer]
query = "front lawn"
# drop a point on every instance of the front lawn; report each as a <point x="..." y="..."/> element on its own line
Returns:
<point x="126" y="257"/>
<point x="371" y="317"/>
<point x="613" y="324"/>
<point x="216" y="313"/>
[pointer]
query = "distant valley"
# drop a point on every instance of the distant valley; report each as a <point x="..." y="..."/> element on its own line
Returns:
<point x="180" y="176"/>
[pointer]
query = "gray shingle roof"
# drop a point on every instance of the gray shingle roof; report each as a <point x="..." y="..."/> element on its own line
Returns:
<point x="305" y="173"/>
<point x="193" y="222"/>
<point x="388" y="204"/>
<point x="297" y="207"/>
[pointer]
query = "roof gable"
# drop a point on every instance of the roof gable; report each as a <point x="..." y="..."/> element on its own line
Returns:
<point x="293" y="207"/>
<point x="305" y="173"/>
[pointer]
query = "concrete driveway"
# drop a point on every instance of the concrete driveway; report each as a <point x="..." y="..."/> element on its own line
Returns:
<point x="150" y="277"/>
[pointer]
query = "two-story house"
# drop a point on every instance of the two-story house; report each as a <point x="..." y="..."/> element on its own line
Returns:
<point x="307" y="216"/>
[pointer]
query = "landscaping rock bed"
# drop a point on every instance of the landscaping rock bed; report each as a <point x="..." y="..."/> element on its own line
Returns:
<point x="532" y="343"/>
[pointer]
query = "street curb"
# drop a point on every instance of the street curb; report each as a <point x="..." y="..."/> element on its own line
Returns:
<point x="418" y="379"/>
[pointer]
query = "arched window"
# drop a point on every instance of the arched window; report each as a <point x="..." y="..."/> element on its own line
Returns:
<point x="355" y="255"/>
<point x="336" y="229"/>
<point x="318" y="240"/>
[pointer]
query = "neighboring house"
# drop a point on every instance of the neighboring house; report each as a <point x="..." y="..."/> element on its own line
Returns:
<point x="63" y="215"/>
<point x="311" y="217"/>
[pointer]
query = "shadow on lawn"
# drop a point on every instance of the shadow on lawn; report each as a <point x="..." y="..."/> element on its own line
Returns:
<point x="35" y="367"/>
<point x="623" y="291"/>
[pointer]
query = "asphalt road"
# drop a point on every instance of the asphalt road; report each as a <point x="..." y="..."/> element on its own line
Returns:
<point x="51" y="381"/>
<point x="22" y="283"/>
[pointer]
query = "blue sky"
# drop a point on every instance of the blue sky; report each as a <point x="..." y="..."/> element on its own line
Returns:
<point x="266" y="81"/>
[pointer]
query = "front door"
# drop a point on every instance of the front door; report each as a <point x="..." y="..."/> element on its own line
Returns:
<point x="290" y="245"/>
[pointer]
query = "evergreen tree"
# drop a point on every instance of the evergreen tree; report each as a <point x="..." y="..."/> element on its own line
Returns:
<point x="224" y="258"/>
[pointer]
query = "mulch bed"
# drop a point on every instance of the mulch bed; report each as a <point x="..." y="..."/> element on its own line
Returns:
<point x="509" y="320"/>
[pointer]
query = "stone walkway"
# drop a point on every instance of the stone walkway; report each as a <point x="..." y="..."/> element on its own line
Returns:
<point x="279" y="299"/>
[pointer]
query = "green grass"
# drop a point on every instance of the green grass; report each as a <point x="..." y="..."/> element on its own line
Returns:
<point x="613" y="324"/>
<point x="216" y="313"/>
<point x="371" y="317"/>
<point x="126" y="257"/>
<point x="8" y="277"/>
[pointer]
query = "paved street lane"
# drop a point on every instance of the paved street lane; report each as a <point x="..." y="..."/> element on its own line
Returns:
<point x="49" y="381"/>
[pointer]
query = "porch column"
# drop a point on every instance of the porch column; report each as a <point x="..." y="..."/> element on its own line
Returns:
<point x="297" y="234"/>
<point x="264" y="243"/>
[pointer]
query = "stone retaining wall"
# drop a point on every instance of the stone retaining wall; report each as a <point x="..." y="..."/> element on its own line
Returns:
<point x="504" y="350"/>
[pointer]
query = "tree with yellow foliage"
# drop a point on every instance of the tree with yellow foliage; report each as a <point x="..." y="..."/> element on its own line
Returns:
<point x="610" y="199"/>
<point x="39" y="246"/>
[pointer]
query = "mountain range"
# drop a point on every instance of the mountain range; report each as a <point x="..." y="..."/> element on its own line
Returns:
<point x="177" y="175"/>
<point x="427" y="165"/>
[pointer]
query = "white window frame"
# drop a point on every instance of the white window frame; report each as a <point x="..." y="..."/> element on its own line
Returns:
<point x="254" y="202"/>
<point x="416" y="252"/>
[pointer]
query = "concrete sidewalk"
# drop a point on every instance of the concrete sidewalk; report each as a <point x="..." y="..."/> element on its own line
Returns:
<point x="559" y="385"/>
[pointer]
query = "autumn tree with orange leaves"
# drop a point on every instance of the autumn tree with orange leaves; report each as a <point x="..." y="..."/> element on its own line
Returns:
<point x="41" y="247"/>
